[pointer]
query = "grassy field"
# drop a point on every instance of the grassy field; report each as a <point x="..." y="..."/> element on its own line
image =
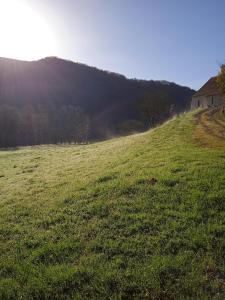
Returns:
<point x="87" y="222"/>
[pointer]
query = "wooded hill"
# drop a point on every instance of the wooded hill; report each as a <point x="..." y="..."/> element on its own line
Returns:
<point x="56" y="101"/>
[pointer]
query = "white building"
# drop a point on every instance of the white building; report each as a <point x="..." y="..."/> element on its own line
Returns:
<point x="209" y="95"/>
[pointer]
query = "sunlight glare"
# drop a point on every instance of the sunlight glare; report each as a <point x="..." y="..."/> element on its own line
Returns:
<point x="24" y="34"/>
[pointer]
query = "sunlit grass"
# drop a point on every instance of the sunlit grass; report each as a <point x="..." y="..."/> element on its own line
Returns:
<point x="86" y="221"/>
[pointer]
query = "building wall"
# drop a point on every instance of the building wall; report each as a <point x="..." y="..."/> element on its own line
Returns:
<point x="206" y="101"/>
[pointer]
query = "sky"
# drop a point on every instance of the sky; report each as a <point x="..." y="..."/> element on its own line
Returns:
<point x="176" y="40"/>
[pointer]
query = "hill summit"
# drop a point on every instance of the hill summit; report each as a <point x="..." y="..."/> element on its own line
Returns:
<point x="54" y="100"/>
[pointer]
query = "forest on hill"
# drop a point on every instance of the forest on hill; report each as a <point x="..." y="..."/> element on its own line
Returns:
<point x="58" y="101"/>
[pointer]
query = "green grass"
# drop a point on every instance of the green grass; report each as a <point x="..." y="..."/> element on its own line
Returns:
<point x="85" y="222"/>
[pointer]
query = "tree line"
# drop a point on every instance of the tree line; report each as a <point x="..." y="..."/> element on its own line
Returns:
<point x="69" y="124"/>
<point x="27" y="126"/>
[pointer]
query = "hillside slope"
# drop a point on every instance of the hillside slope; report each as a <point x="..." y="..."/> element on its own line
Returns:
<point x="88" y="222"/>
<point x="54" y="100"/>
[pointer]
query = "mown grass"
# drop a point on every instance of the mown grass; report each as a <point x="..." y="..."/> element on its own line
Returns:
<point x="86" y="222"/>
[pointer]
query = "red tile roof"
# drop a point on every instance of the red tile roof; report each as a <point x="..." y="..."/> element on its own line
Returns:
<point x="210" y="88"/>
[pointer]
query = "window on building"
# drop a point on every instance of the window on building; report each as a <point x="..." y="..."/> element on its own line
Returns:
<point x="212" y="100"/>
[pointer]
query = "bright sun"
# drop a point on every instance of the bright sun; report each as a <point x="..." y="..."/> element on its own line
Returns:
<point x="24" y="34"/>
